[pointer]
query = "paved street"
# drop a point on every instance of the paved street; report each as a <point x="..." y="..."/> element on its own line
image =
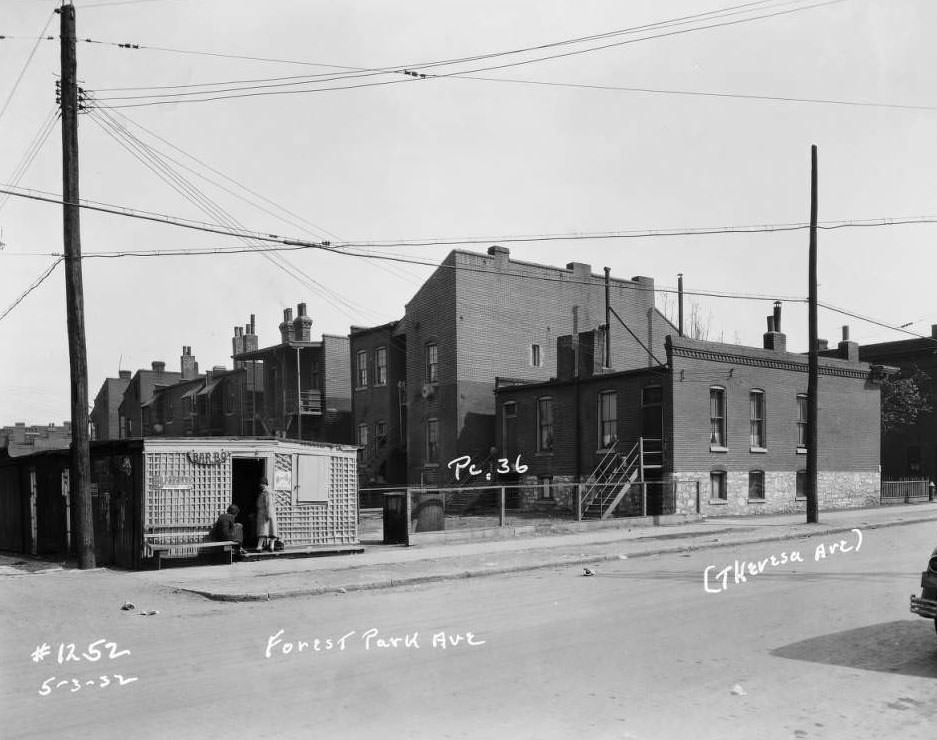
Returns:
<point x="819" y="649"/>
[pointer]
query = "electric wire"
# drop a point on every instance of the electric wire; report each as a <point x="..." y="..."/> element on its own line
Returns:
<point x="29" y="59"/>
<point x="397" y="68"/>
<point x="291" y="218"/>
<point x="32" y="151"/>
<point x="171" y="98"/>
<point x="35" y="284"/>
<point x="158" y="164"/>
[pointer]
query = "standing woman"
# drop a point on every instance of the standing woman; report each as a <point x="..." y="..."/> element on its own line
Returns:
<point x="266" y="517"/>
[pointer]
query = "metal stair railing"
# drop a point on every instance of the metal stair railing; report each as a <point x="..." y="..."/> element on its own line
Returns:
<point x="610" y="475"/>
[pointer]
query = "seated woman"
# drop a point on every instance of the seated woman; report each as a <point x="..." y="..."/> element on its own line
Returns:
<point x="226" y="529"/>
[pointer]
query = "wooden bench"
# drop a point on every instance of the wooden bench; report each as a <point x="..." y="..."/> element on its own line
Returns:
<point x="186" y="541"/>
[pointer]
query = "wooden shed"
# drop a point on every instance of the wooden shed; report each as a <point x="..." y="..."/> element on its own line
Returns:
<point x="172" y="490"/>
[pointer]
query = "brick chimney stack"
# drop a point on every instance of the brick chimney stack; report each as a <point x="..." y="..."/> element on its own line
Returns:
<point x="286" y="327"/>
<point x="187" y="364"/>
<point x="250" y="337"/>
<point x="848" y="350"/>
<point x="774" y="338"/>
<point x="158" y="366"/>
<point x="302" y="326"/>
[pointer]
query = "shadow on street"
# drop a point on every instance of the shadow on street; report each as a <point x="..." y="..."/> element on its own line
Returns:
<point x="908" y="648"/>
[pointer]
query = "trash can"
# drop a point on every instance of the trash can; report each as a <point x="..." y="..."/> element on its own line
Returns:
<point x="395" y="518"/>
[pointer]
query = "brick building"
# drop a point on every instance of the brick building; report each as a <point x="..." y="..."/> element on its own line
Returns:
<point x="138" y="393"/>
<point x="718" y="429"/>
<point x="909" y="451"/>
<point x="105" y="414"/>
<point x="479" y="316"/>
<point x="306" y="384"/>
<point x="24" y="439"/>
<point x="379" y="402"/>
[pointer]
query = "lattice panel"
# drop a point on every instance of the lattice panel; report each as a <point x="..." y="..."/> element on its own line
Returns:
<point x="179" y="491"/>
<point x="322" y="524"/>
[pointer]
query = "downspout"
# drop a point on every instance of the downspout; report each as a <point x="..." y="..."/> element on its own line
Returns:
<point x="299" y="399"/>
<point x="608" y="320"/>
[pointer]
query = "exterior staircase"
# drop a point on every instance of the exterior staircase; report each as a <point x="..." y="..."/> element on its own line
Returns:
<point x="621" y="469"/>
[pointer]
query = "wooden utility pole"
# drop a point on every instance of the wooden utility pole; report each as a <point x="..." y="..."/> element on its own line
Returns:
<point x="812" y="355"/>
<point x="80" y="478"/>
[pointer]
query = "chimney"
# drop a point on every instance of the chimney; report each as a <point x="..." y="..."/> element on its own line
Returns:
<point x="822" y="345"/>
<point x="933" y="331"/>
<point x="125" y="374"/>
<point x="502" y="256"/>
<point x="250" y="337"/>
<point x="286" y="328"/>
<point x="848" y="350"/>
<point x="157" y="366"/>
<point x="302" y="326"/>
<point x="187" y="364"/>
<point x="237" y="342"/>
<point x="580" y="269"/>
<point x="566" y="356"/>
<point x="773" y="338"/>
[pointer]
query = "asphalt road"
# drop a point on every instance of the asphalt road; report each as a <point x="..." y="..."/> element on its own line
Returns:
<point x="812" y="649"/>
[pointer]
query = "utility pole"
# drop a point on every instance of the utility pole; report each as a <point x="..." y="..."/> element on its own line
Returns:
<point x="812" y="356"/>
<point x="80" y="479"/>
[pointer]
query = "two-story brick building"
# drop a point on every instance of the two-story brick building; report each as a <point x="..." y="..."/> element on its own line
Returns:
<point x="479" y="316"/>
<point x="718" y="429"/>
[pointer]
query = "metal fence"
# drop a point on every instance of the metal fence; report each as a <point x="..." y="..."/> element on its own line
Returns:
<point x="477" y="507"/>
<point x="905" y="491"/>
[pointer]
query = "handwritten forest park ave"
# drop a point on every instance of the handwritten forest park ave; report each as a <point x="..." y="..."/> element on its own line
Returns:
<point x="739" y="572"/>
<point x="370" y="640"/>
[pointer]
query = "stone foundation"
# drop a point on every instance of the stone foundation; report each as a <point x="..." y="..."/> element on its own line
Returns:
<point x="835" y="490"/>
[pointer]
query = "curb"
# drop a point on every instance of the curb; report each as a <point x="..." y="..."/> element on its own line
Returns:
<point x="556" y="562"/>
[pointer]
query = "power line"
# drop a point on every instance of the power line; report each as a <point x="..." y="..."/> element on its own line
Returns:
<point x="230" y="93"/>
<point x="36" y="283"/>
<point x="29" y="59"/>
<point x="360" y="71"/>
<point x="292" y="243"/>
<point x="32" y="150"/>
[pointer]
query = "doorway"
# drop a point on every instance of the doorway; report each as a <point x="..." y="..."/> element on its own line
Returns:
<point x="246" y="474"/>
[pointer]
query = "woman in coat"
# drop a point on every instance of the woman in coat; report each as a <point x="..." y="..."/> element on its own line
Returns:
<point x="266" y="517"/>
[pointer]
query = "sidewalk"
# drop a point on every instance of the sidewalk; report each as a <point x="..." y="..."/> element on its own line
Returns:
<point x="385" y="566"/>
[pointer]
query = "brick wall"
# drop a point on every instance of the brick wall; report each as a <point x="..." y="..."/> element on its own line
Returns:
<point x="848" y="431"/>
<point x="380" y="462"/>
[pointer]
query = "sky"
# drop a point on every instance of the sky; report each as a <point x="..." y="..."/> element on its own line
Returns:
<point x="543" y="147"/>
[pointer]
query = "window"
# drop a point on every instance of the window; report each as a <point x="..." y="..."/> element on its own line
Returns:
<point x="756" y="485"/>
<point x="717" y="486"/>
<point x="801" y="490"/>
<point x="535" y="358"/>
<point x="653" y="395"/>
<point x="546" y="487"/>
<point x="363" y="435"/>
<point x="544" y="425"/>
<point x="756" y="403"/>
<point x="380" y="433"/>
<point x="717" y="416"/>
<point x="432" y="363"/>
<point x="802" y="420"/>
<point x="362" y="366"/>
<point x="608" y="419"/>
<point x="432" y="440"/>
<point x="380" y="366"/>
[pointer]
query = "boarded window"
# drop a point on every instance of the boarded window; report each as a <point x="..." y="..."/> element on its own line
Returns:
<point x="313" y="483"/>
